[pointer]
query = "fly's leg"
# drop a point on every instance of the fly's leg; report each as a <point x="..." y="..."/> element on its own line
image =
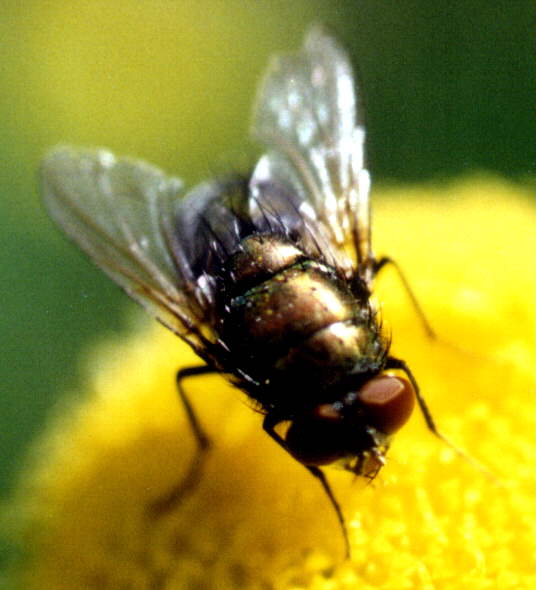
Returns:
<point x="193" y="475"/>
<point x="394" y="363"/>
<point x="321" y="476"/>
<point x="269" y="424"/>
<point x="385" y="260"/>
<point x="201" y="438"/>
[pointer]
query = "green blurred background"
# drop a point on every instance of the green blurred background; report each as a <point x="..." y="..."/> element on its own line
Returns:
<point x="448" y="91"/>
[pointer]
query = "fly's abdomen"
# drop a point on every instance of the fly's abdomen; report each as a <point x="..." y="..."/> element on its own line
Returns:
<point x="291" y="319"/>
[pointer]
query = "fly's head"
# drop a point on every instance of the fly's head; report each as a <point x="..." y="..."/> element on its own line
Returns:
<point x="355" y="430"/>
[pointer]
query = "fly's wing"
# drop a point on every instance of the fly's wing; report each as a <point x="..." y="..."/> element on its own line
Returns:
<point x="308" y="115"/>
<point x="121" y="213"/>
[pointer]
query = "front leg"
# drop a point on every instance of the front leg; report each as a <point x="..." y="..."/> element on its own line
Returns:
<point x="269" y="424"/>
<point x="394" y="363"/>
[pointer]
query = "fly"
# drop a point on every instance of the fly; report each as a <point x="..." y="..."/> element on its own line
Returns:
<point x="267" y="277"/>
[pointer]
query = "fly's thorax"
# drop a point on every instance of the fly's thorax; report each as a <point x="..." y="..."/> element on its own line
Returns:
<point x="295" y="321"/>
<point x="258" y="259"/>
<point x="291" y="305"/>
<point x="332" y="355"/>
<point x="284" y="306"/>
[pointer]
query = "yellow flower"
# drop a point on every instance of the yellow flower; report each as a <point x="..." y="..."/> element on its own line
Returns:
<point x="257" y="519"/>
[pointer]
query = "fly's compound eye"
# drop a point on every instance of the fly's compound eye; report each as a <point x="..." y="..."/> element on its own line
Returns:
<point x="332" y="431"/>
<point x="317" y="438"/>
<point x="387" y="402"/>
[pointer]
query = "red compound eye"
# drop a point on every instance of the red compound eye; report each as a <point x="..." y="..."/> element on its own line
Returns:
<point x="388" y="402"/>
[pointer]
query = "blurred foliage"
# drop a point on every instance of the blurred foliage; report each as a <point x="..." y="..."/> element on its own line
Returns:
<point x="447" y="89"/>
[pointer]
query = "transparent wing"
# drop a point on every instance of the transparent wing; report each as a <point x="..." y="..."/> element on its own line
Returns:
<point x="307" y="114"/>
<point x="120" y="212"/>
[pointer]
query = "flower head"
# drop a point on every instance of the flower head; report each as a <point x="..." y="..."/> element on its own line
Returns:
<point x="257" y="519"/>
